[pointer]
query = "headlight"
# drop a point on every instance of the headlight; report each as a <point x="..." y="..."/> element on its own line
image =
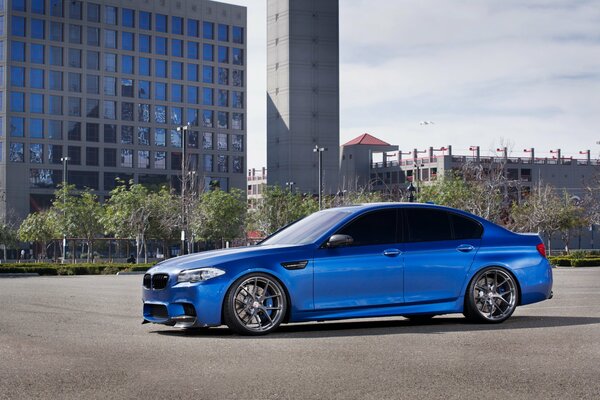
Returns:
<point x="199" y="274"/>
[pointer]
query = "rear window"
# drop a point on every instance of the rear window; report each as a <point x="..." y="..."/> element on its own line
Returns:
<point x="466" y="228"/>
<point x="429" y="225"/>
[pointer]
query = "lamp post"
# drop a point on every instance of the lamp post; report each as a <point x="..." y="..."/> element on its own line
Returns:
<point x="320" y="150"/>
<point x="183" y="129"/>
<point x="411" y="192"/>
<point x="290" y="185"/>
<point x="65" y="161"/>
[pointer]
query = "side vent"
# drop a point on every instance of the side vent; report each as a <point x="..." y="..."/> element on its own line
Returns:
<point x="293" y="265"/>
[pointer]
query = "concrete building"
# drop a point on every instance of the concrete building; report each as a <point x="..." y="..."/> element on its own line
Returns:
<point x="257" y="181"/>
<point x="303" y="93"/>
<point x="107" y="83"/>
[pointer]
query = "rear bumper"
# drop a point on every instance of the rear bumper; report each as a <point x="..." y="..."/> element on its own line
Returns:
<point x="536" y="282"/>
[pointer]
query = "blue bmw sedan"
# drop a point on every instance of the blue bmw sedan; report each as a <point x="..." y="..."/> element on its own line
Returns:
<point x="386" y="259"/>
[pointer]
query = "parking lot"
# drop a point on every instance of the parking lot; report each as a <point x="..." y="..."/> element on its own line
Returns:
<point x="82" y="338"/>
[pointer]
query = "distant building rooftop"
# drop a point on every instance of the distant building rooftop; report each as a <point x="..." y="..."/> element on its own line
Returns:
<point x="366" y="139"/>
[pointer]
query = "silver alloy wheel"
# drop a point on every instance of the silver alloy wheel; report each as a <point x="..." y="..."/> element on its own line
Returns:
<point x="259" y="304"/>
<point x="494" y="294"/>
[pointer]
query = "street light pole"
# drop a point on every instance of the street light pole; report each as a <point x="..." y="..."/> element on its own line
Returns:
<point x="320" y="150"/>
<point x="65" y="161"/>
<point x="183" y="129"/>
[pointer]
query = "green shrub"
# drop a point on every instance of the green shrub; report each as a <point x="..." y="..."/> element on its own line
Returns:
<point x="560" y="261"/>
<point x="587" y="262"/>
<point x="71" y="269"/>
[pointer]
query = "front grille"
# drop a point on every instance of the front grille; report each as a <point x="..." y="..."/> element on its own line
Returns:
<point x="147" y="281"/>
<point x="159" y="281"/>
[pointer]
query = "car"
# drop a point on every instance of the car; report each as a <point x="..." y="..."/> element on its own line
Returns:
<point x="371" y="260"/>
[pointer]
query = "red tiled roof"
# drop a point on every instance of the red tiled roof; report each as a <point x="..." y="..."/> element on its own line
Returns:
<point x="366" y="139"/>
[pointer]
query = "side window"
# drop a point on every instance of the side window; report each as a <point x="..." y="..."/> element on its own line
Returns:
<point x="466" y="228"/>
<point x="428" y="225"/>
<point x="377" y="227"/>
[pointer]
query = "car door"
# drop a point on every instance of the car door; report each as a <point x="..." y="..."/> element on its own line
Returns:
<point x="367" y="272"/>
<point x="438" y="252"/>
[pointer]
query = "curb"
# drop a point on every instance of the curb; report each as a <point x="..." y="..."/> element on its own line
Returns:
<point x="19" y="275"/>
<point x="131" y="273"/>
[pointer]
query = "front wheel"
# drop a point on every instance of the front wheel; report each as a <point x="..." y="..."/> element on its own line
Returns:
<point x="255" y="305"/>
<point x="492" y="296"/>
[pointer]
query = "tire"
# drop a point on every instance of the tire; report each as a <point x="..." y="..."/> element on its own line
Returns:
<point x="255" y="305"/>
<point x="492" y="296"/>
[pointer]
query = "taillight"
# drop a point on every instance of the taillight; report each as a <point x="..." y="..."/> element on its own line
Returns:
<point x="541" y="249"/>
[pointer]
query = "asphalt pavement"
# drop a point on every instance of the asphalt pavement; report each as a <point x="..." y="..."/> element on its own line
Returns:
<point x="81" y="338"/>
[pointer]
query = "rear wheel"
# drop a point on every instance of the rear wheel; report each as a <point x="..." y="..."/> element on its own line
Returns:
<point x="492" y="296"/>
<point x="255" y="305"/>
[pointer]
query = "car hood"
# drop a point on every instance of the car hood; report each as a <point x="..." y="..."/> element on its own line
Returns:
<point x="215" y="258"/>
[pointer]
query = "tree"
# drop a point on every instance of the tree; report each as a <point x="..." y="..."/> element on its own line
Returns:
<point x="40" y="227"/>
<point x="164" y="216"/>
<point x="219" y="216"/>
<point x="8" y="236"/>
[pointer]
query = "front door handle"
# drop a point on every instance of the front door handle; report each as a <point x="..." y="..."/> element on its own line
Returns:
<point x="391" y="252"/>
<point x="465" y="248"/>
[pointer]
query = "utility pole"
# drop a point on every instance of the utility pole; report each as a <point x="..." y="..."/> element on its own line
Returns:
<point x="320" y="150"/>
<point x="183" y="130"/>
<point x="65" y="161"/>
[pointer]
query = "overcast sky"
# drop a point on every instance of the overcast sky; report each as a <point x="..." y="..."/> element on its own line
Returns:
<point x="488" y="73"/>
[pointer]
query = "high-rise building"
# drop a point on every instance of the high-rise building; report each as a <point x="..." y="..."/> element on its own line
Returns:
<point x="303" y="93"/>
<point x="106" y="83"/>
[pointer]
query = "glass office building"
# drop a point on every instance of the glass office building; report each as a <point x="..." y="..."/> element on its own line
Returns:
<point x="108" y="83"/>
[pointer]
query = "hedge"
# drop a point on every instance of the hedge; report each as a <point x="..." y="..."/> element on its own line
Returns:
<point x="586" y="262"/>
<point x="72" y="269"/>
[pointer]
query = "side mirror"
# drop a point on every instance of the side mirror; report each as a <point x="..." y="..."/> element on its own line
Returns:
<point x="339" y="240"/>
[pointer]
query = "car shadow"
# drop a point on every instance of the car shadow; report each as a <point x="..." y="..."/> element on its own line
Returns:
<point x="438" y="325"/>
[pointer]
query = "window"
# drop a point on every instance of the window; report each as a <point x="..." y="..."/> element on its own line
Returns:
<point x="36" y="153"/>
<point x="145" y="20"/>
<point x="144" y="136"/>
<point x="161" y="23"/>
<point x="93" y="36"/>
<point x="223" y="54"/>
<point x="128" y="17"/>
<point x="126" y="134"/>
<point x="161" y="46"/>
<point x="74" y="132"/>
<point x="238" y="35"/>
<point x="127" y="64"/>
<point x="36" y="103"/>
<point x="160" y="114"/>
<point x="38" y="28"/>
<point x="110" y="159"/>
<point x="37" y="53"/>
<point x="237" y="78"/>
<point x="465" y="228"/>
<point x="17" y="127"/>
<point x="110" y="15"/>
<point x="19" y="5"/>
<point x="92" y="108"/>
<point x="144" y="112"/>
<point x="38" y="6"/>
<point x="109" y="86"/>
<point x="222" y="161"/>
<point x="110" y="109"/>
<point x="127" y="158"/>
<point x="207" y="52"/>
<point x="127" y="87"/>
<point x="160" y="137"/>
<point x="17" y="101"/>
<point x="160" y="159"/>
<point x="207" y="74"/>
<point x="177" y="93"/>
<point x="176" y="115"/>
<point x="223" y="76"/>
<point x="237" y="56"/>
<point x="75" y="34"/>
<point x="56" y="56"/>
<point x="192" y="72"/>
<point x="144" y="89"/>
<point x="74" y="152"/>
<point x="16" y="153"/>
<point x="175" y="139"/>
<point x="74" y="82"/>
<point x="92" y="84"/>
<point x="143" y="159"/>
<point x="54" y="153"/>
<point x="192" y="117"/>
<point x="207" y="141"/>
<point x="93" y="12"/>
<point x="192" y="50"/>
<point x="17" y="76"/>
<point x="92" y="132"/>
<point x="177" y="25"/>
<point x="127" y="111"/>
<point x="55" y="130"/>
<point x="128" y="41"/>
<point x="192" y="95"/>
<point x="161" y="68"/>
<point x="74" y="106"/>
<point x="222" y="120"/>
<point x="110" y="133"/>
<point x="207" y="96"/>
<point x="222" y="141"/>
<point x="56" y="31"/>
<point x="223" y="98"/>
<point x="56" y="8"/>
<point x="237" y="121"/>
<point x="208" y="29"/>
<point x="160" y="89"/>
<point x="145" y="44"/>
<point x="92" y="155"/>
<point x="208" y="163"/>
<point x="55" y="104"/>
<point x="93" y="60"/>
<point x="177" y="48"/>
<point x="75" y="58"/>
<point x="207" y="118"/>
<point x="237" y="143"/>
<point x="374" y="228"/>
<point x="238" y="164"/>
<point x="110" y="39"/>
<point x="426" y="225"/>
<point x="192" y="27"/>
<point x="237" y="99"/>
<point x="18" y="26"/>
<point x="144" y="66"/>
<point x="17" y="50"/>
<point x="223" y="33"/>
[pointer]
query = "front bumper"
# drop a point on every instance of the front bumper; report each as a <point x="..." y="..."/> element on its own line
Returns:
<point x="184" y="305"/>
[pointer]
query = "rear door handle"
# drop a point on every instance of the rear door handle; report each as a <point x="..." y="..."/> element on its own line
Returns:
<point x="391" y="252"/>
<point x="465" y="248"/>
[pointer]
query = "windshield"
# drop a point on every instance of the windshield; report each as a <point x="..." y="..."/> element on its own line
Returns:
<point x="308" y="229"/>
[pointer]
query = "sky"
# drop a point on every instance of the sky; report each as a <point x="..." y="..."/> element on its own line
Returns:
<point x="508" y="73"/>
